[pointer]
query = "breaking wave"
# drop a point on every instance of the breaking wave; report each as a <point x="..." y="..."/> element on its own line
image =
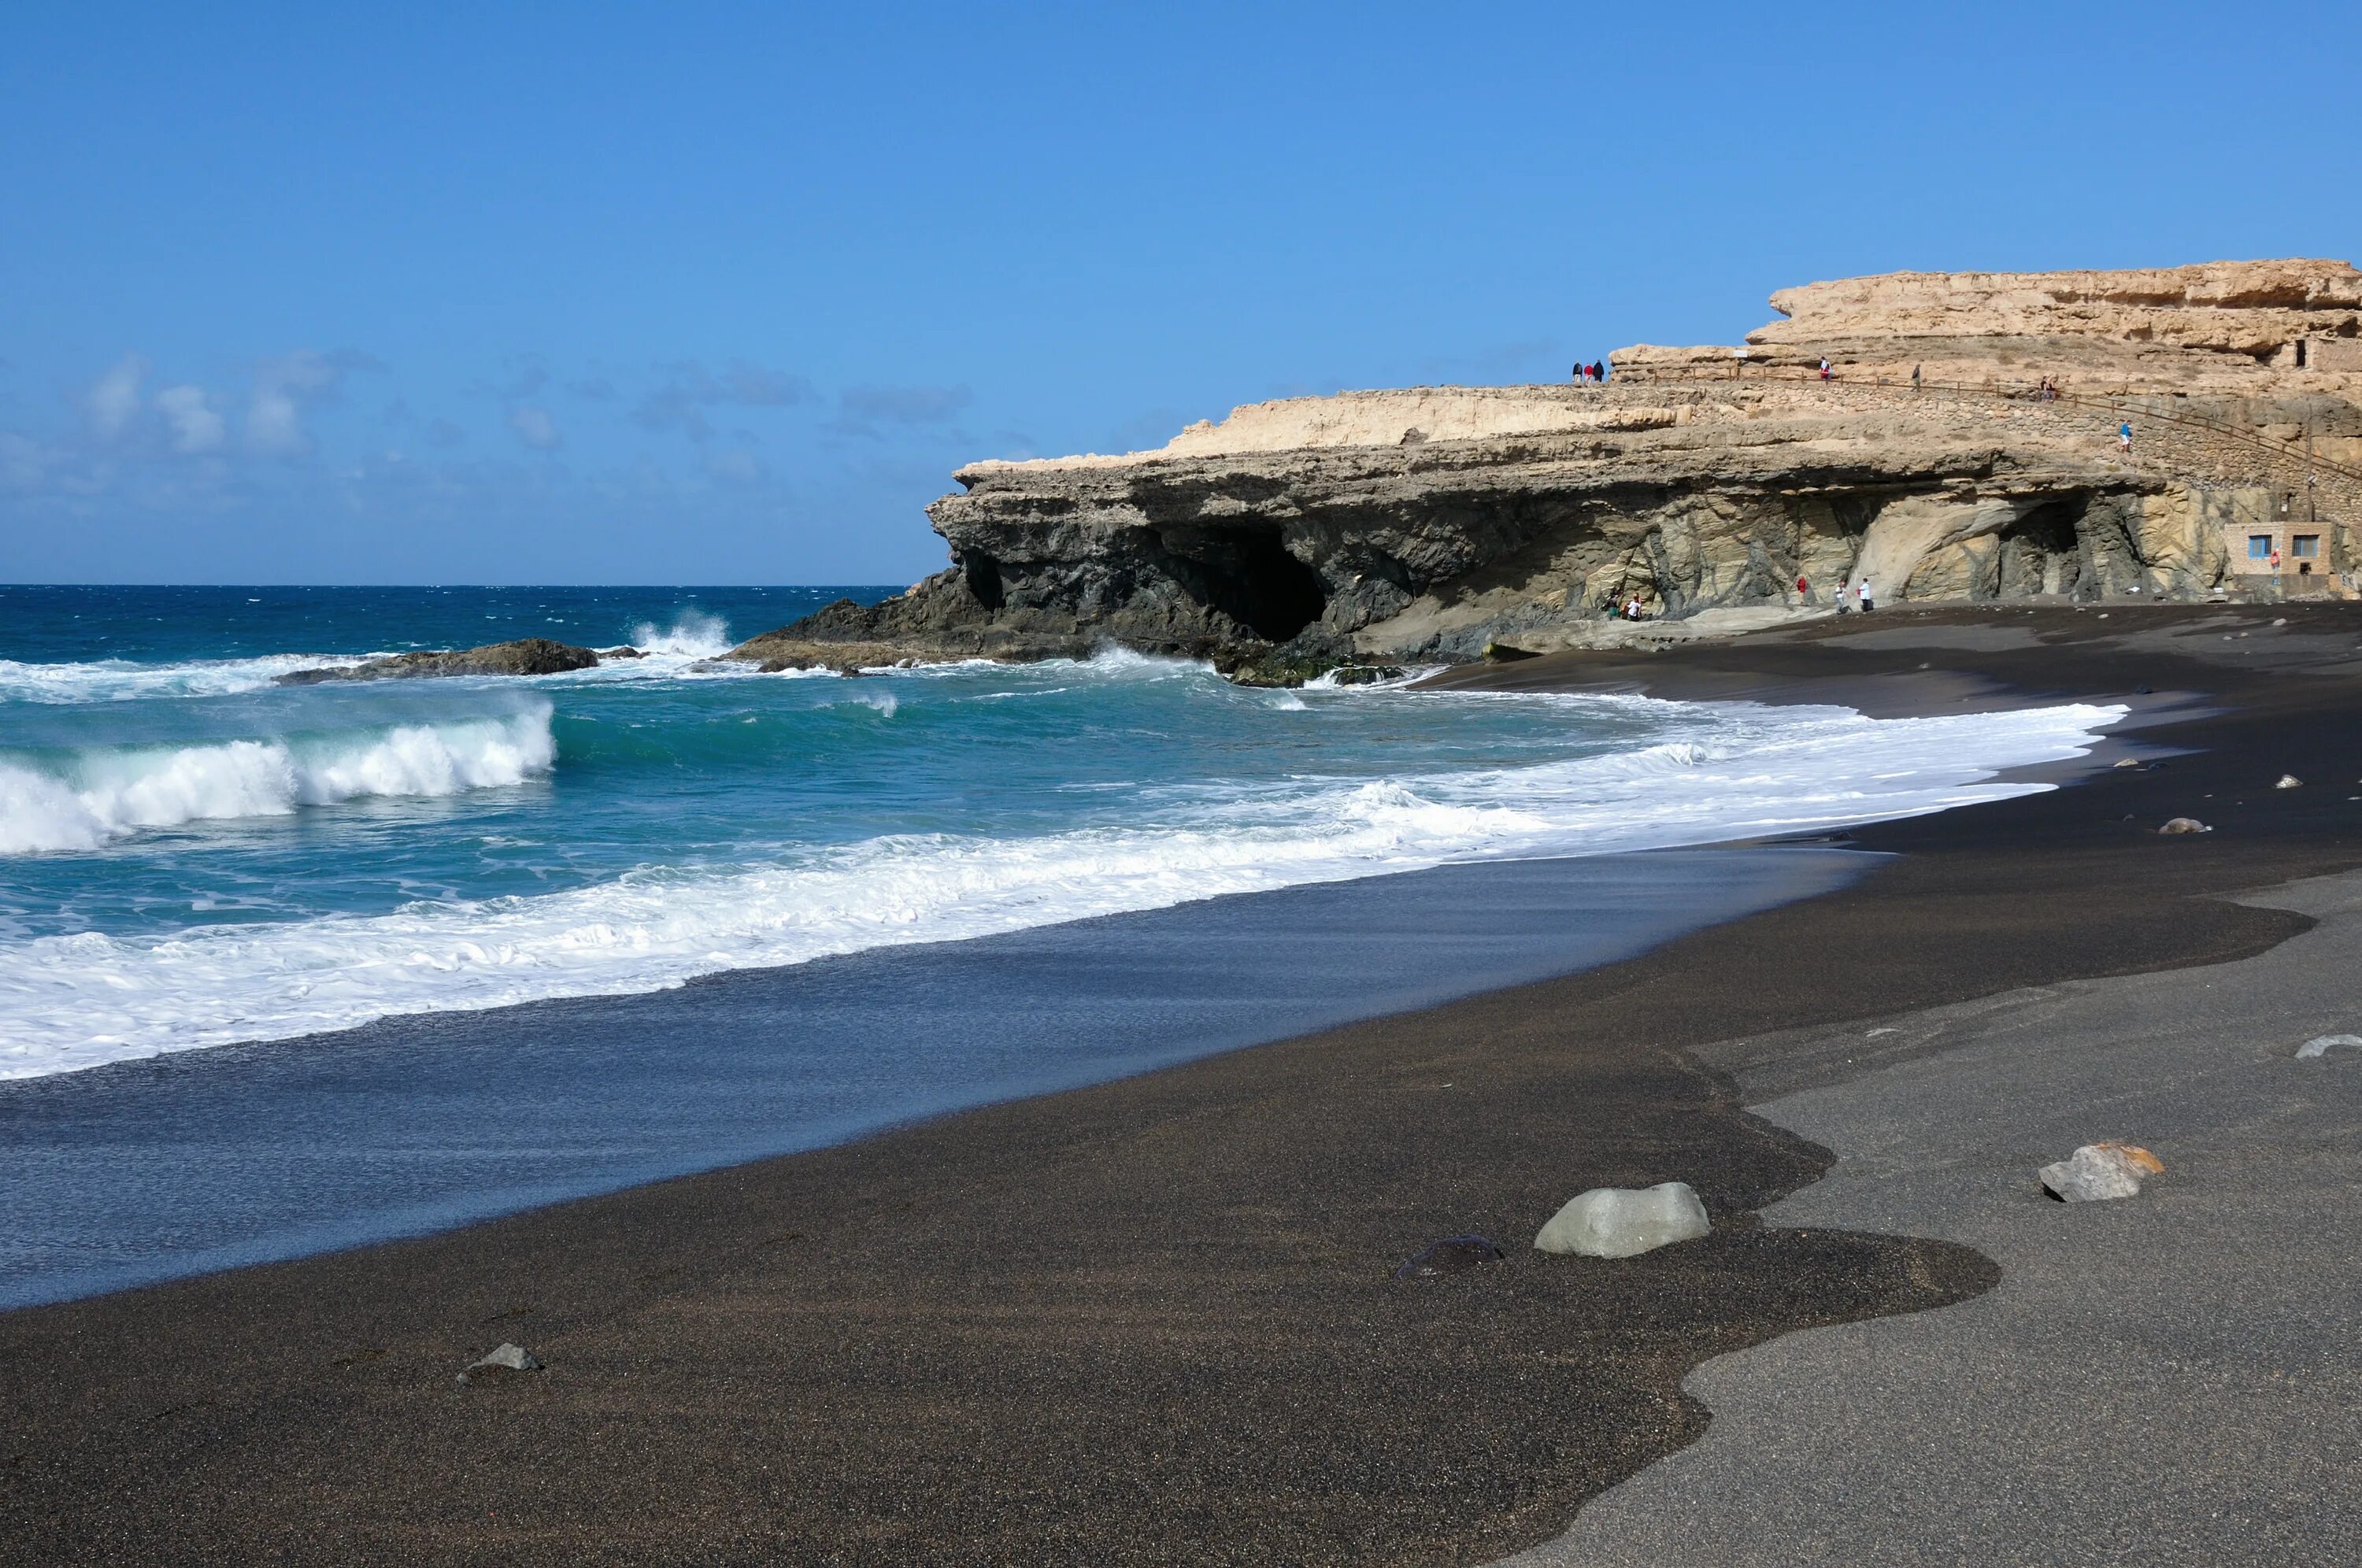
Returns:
<point x="118" y="681"/>
<point x="692" y="635"/>
<point x="82" y="1000"/>
<point x="88" y="799"/>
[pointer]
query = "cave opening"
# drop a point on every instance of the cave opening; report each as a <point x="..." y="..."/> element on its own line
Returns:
<point x="983" y="575"/>
<point x="1254" y="581"/>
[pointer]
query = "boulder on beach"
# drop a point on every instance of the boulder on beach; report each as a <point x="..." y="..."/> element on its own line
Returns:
<point x="2097" y="1171"/>
<point x="1622" y="1222"/>
<point x="2185" y="825"/>
<point x="1453" y="1254"/>
<point x="502" y="1358"/>
<point x="2290" y="781"/>
<point x="527" y="656"/>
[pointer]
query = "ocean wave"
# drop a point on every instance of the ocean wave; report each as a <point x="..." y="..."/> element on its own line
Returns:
<point x="692" y="635"/>
<point x="88" y="799"/>
<point x="80" y="1000"/>
<point x="117" y="680"/>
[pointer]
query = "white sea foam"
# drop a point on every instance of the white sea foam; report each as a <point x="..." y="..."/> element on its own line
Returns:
<point x="692" y="635"/>
<point x="117" y="680"/>
<point x="91" y="798"/>
<point x="77" y="1001"/>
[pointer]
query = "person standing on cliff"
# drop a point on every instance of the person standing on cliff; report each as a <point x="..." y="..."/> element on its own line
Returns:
<point x="1824" y="367"/>
<point x="1915" y="377"/>
<point x="2125" y="437"/>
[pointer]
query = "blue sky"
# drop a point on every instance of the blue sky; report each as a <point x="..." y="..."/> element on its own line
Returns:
<point x="722" y="293"/>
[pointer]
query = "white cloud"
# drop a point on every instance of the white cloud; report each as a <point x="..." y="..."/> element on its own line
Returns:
<point x="735" y="464"/>
<point x="196" y="427"/>
<point x="681" y="403"/>
<point x="274" y="424"/>
<point x="536" y="429"/>
<point x="21" y="461"/>
<point x="861" y="411"/>
<point x="114" y="398"/>
<point x="285" y="387"/>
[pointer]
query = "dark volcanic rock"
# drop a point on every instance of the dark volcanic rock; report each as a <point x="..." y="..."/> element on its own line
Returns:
<point x="1453" y="1254"/>
<point x="527" y="656"/>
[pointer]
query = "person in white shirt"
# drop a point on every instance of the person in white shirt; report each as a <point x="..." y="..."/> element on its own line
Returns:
<point x="1864" y="591"/>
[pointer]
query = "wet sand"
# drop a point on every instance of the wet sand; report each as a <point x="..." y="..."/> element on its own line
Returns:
<point x="1154" y="1320"/>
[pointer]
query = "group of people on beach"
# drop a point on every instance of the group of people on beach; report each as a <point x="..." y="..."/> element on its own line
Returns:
<point x="1593" y="374"/>
<point x="1862" y="594"/>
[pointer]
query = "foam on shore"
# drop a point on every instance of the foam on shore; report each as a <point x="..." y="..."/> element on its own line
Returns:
<point x="85" y="999"/>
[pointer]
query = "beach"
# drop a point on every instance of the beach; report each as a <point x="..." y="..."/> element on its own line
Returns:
<point x="1153" y="1320"/>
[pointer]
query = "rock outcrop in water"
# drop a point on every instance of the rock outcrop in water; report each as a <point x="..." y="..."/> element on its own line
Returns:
<point x="527" y="656"/>
<point x="1428" y="523"/>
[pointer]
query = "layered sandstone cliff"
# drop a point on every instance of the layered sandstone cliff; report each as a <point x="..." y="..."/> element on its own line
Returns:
<point x="1425" y="524"/>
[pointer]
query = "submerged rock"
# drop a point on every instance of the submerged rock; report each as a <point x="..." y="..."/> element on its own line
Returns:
<point x="2097" y="1171"/>
<point x="2185" y="825"/>
<point x="527" y="656"/>
<point x="1453" y="1254"/>
<point x="2290" y="781"/>
<point x="503" y="1357"/>
<point x="1621" y="1222"/>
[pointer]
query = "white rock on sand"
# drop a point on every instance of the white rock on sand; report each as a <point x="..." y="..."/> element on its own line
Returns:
<point x="503" y="1357"/>
<point x="1621" y="1222"/>
<point x="2097" y="1171"/>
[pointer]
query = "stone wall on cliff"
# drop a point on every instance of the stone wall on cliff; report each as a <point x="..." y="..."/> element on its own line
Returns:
<point x="1424" y="523"/>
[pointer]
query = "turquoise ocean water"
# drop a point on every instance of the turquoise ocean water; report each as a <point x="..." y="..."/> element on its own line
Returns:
<point x="191" y="856"/>
<point x="284" y="969"/>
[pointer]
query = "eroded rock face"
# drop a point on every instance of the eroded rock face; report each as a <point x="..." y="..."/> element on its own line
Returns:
<point x="1424" y="523"/>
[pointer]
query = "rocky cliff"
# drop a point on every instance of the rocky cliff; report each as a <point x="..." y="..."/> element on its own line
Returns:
<point x="1703" y="481"/>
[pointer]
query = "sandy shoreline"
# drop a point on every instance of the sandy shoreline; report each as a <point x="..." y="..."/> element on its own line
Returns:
<point x="1151" y="1321"/>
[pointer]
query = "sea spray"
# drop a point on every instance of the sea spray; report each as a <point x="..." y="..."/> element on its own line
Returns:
<point x="692" y="635"/>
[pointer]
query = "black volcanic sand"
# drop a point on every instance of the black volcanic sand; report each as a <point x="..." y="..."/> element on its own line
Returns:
<point x="1155" y="1320"/>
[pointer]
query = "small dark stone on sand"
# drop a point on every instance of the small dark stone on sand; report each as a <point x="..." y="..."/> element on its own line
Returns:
<point x="1453" y="1254"/>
